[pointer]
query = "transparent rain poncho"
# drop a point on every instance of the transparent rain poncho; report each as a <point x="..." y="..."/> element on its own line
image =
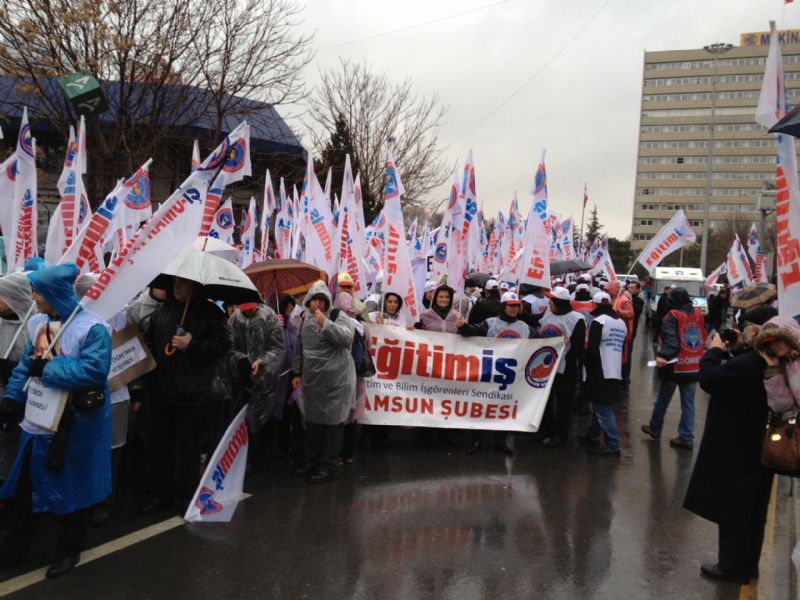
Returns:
<point x="324" y="362"/>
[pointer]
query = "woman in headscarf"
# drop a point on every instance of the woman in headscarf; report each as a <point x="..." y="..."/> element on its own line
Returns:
<point x="440" y="316"/>
<point x="390" y="315"/>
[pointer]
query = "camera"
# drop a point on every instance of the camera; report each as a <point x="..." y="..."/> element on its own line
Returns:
<point x="728" y="335"/>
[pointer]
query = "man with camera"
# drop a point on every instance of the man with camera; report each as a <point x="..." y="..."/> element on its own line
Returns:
<point x="729" y="486"/>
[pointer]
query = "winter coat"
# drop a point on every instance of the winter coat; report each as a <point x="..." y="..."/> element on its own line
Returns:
<point x="325" y="365"/>
<point x="782" y="383"/>
<point x="638" y="308"/>
<point x="717" y="311"/>
<point x="283" y="394"/>
<point x="186" y="377"/>
<point x="728" y="484"/>
<point x="670" y="338"/>
<point x="82" y="364"/>
<point x="483" y="309"/>
<point x="431" y="319"/>
<point x="257" y="338"/>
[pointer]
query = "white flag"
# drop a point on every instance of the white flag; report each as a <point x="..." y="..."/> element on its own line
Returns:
<point x="535" y="264"/>
<point x="247" y="254"/>
<point x="223" y="224"/>
<point x="672" y="236"/>
<point x="20" y="242"/>
<point x="757" y="254"/>
<point x="737" y="265"/>
<point x="398" y="278"/>
<point x="715" y="275"/>
<point x="221" y="487"/>
<point x="772" y="106"/>
<point x="235" y="167"/>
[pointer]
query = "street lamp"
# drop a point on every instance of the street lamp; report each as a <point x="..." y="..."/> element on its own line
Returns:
<point x="715" y="50"/>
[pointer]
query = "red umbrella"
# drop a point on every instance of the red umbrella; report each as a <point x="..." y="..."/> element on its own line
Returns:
<point x="283" y="276"/>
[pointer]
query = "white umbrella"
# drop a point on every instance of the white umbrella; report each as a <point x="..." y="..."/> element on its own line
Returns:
<point x="221" y="280"/>
<point x="215" y="246"/>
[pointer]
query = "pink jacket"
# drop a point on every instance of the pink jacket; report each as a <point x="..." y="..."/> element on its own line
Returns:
<point x="783" y="388"/>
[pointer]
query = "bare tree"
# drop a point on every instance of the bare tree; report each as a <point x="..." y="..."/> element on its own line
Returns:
<point x="170" y="64"/>
<point x="377" y="113"/>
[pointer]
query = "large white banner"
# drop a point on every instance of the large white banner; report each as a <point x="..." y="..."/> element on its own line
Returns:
<point x="220" y="490"/>
<point x="430" y="379"/>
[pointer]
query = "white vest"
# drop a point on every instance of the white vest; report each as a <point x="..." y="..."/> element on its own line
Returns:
<point x="502" y="329"/>
<point x="561" y="325"/>
<point x="611" y="345"/>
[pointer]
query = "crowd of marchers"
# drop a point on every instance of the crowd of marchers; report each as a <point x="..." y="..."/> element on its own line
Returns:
<point x="298" y="365"/>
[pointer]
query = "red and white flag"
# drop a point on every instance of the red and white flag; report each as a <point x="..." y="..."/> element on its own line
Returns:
<point x="350" y="241"/>
<point x="171" y="229"/>
<point x="585" y="196"/>
<point x="398" y="276"/>
<point x="195" y="156"/>
<point x="248" y="253"/>
<point x="757" y="254"/>
<point x="20" y="241"/>
<point x="672" y="236"/>
<point x="535" y="264"/>
<point x="235" y="167"/>
<point x="86" y="250"/>
<point x="737" y="265"/>
<point x="772" y="107"/>
<point x="284" y="223"/>
<point x="715" y="275"/>
<point x="267" y="208"/>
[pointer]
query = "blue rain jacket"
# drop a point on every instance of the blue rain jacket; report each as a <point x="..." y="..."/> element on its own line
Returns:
<point x="86" y="477"/>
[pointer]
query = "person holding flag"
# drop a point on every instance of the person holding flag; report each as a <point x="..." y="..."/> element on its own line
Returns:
<point x="66" y="473"/>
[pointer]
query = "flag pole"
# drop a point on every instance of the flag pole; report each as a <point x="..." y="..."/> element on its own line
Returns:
<point x="19" y="330"/>
<point x="583" y="212"/>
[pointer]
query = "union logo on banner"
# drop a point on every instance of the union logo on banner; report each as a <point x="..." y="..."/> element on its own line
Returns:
<point x="138" y="197"/>
<point x="225" y="219"/>
<point x="235" y="157"/>
<point x="26" y="139"/>
<point x="540" y="366"/>
<point x="11" y="170"/>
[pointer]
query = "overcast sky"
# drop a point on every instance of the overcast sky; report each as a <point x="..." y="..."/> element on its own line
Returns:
<point x="582" y="107"/>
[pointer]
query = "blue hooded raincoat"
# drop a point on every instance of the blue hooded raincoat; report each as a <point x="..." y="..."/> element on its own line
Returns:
<point x="82" y="364"/>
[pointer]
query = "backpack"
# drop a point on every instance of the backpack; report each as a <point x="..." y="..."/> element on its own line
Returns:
<point x="359" y="351"/>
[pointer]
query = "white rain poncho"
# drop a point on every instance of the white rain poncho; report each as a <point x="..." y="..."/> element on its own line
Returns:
<point x="15" y="291"/>
<point x="323" y="360"/>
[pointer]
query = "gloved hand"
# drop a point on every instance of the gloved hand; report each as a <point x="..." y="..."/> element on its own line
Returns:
<point x="36" y="367"/>
<point x="6" y="367"/>
<point x="11" y="413"/>
<point x="243" y="366"/>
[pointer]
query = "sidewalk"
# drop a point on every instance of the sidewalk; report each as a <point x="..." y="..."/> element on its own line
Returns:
<point x="781" y="556"/>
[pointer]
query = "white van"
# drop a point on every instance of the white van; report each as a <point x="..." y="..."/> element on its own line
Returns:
<point x="692" y="280"/>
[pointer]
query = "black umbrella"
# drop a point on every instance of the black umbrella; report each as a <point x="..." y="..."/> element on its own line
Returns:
<point x="789" y="124"/>
<point x="480" y="278"/>
<point x="560" y="267"/>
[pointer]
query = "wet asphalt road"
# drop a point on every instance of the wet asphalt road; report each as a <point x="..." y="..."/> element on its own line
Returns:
<point x="410" y="522"/>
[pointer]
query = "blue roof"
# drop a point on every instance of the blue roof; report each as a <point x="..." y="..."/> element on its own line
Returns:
<point x="269" y="133"/>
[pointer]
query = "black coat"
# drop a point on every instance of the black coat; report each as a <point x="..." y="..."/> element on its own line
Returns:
<point x="728" y="484"/>
<point x="596" y="388"/>
<point x="187" y="377"/>
<point x="717" y="311"/>
<point x="484" y="309"/>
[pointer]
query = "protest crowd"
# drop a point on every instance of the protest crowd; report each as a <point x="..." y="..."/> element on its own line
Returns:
<point x="124" y="373"/>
